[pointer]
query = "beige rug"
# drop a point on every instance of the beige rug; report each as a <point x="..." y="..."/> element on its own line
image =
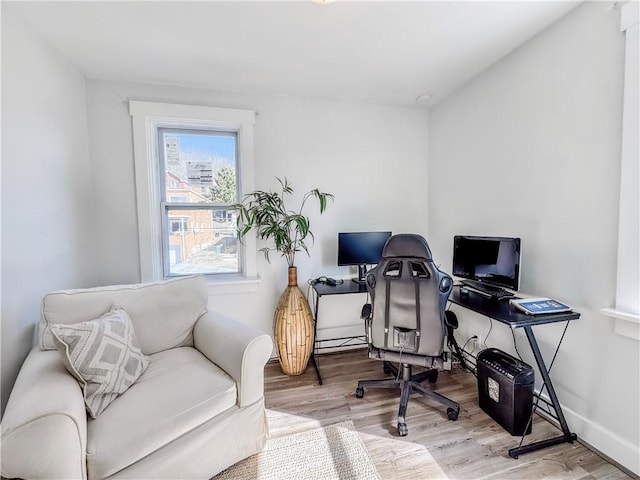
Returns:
<point x="334" y="452"/>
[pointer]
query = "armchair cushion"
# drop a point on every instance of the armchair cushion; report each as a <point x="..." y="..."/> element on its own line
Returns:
<point x="103" y="355"/>
<point x="163" y="313"/>
<point x="180" y="391"/>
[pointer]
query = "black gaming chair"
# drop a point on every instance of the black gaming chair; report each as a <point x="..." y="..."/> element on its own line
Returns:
<point x="405" y="322"/>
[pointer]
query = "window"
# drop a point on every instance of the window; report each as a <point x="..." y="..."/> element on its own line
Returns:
<point x="199" y="171"/>
<point x="192" y="163"/>
<point x="627" y="306"/>
<point x="177" y="226"/>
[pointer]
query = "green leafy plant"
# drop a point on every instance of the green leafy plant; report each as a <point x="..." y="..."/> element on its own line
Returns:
<point x="225" y="189"/>
<point x="267" y="213"/>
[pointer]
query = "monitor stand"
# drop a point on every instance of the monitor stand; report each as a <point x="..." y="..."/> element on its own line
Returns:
<point x="362" y="275"/>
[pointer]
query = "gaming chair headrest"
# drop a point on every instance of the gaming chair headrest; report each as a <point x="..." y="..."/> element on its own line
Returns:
<point x="406" y="245"/>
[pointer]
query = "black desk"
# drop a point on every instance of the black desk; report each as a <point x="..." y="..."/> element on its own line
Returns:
<point x="504" y="312"/>
<point x="321" y="290"/>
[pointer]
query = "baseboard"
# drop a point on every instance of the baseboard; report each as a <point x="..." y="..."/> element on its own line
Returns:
<point x="601" y="441"/>
<point x="608" y="459"/>
<point x="596" y="438"/>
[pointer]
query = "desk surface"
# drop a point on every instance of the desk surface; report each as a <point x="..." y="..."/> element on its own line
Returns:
<point x="348" y="286"/>
<point x="503" y="311"/>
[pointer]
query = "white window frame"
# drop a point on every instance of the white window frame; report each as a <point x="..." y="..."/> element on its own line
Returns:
<point x="147" y="117"/>
<point x="626" y="311"/>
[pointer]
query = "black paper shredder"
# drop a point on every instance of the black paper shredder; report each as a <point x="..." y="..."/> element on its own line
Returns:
<point x="505" y="390"/>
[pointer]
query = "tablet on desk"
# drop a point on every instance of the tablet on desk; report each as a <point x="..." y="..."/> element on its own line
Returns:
<point x="539" y="306"/>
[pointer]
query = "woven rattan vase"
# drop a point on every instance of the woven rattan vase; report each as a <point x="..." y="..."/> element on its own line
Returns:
<point x="293" y="328"/>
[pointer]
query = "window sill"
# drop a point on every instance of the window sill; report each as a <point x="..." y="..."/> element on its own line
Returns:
<point x="233" y="285"/>
<point x="626" y="324"/>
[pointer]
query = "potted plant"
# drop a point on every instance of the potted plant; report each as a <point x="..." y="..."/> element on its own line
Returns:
<point x="289" y="231"/>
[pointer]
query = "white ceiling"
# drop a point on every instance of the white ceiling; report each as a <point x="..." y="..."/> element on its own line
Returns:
<point x="359" y="51"/>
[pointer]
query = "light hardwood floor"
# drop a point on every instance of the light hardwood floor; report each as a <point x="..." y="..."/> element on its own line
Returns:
<point x="473" y="447"/>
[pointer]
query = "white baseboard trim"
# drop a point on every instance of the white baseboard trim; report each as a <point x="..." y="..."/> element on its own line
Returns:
<point x="602" y="441"/>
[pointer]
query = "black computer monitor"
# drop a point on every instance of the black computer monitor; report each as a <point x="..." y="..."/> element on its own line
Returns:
<point x="491" y="260"/>
<point x="361" y="249"/>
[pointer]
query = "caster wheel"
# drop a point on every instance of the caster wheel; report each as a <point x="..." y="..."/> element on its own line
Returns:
<point x="359" y="392"/>
<point x="386" y="369"/>
<point x="402" y="429"/>
<point x="434" y="377"/>
<point x="452" y="414"/>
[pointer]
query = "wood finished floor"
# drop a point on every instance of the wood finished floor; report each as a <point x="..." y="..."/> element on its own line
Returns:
<point x="473" y="447"/>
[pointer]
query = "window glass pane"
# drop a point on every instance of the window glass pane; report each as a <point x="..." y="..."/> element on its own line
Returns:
<point x="200" y="166"/>
<point x="201" y="241"/>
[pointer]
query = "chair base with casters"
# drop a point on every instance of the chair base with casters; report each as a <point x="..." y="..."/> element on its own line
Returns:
<point x="408" y="384"/>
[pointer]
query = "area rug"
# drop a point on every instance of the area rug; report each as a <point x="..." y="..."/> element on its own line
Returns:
<point x="334" y="452"/>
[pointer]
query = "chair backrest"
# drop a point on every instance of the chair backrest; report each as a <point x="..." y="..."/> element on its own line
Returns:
<point x="163" y="313"/>
<point x="408" y="297"/>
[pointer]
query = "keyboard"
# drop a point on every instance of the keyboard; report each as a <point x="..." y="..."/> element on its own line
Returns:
<point x="493" y="292"/>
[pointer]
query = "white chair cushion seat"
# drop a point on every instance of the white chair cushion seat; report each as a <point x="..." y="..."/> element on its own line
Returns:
<point x="180" y="390"/>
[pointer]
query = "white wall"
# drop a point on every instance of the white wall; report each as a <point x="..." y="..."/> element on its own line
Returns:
<point x="46" y="186"/>
<point x="537" y="135"/>
<point x="531" y="148"/>
<point x="372" y="158"/>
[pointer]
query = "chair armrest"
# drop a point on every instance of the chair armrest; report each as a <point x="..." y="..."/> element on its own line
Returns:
<point x="239" y="349"/>
<point x="44" y="428"/>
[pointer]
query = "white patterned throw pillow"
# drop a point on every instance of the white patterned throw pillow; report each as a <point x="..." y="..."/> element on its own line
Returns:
<point x="103" y="355"/>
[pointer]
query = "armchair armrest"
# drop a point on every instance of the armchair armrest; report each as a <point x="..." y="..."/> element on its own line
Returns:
<point x="44" y="428"/>
<point x="239" y="349"/>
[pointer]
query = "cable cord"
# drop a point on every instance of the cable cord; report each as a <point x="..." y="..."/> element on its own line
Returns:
<point x="484" y="340"/>
<point x="467" y="342"/>
<point x="311" y="298"/>
<point x="515" y="345"/>
<point x="473" y="372"/>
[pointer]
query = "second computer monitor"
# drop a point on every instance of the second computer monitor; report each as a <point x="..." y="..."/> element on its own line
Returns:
<point x="361" y="249"/>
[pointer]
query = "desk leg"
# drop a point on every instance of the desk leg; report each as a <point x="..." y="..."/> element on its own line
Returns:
<point x="315" y="331"/>
<point x="567" y="436"/>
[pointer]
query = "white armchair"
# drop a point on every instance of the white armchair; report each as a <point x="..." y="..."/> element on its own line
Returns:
<point x="197" y="409"/>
